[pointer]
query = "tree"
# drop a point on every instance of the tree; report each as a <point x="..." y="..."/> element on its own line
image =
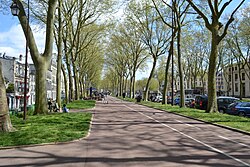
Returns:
<point x="5" y="122"/>
<point x="164" y="15"/>
<point x="80" y="19"/>
<point x="116" y="59"/>
<point x="41" y="61"/>
<point x="90" y="65"/>
<point x="60" y="54"/>
<point x="195" y="49"/>
<point x="10" y="88"/>
<point x="154" y="33"/>
<point x="128" y="37"/>
<point x="218" y="32"/>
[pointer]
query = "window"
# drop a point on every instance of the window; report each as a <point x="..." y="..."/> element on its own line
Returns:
<point x="229" y="78"/>
<point x="245" y="105"/>
<point x="236" y="87"/>
<point x="235" y="68"/>
<point x="229" y="69"/>
<point x="236" y="77"/>
<point x="243" y="76"/>
<point x="220" y="101"/>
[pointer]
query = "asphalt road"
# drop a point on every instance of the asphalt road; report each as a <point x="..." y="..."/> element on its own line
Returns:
<point x="125" y="134"/>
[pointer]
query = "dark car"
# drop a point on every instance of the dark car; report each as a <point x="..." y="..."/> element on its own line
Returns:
<point x="224" y="102"/>
<point x="177" y="101"/>
<point x="201" y="102"/>
<point x="239" y="108"/>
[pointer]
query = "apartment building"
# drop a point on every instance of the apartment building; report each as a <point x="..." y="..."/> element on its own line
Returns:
<point x="235" y="74"/>
<point x="14" y="71"/>
<point x="200" y="83"/>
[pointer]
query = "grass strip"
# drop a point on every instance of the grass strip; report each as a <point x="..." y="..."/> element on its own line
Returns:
<point x="81" y="104"/>
<point x="241" y="123"/>
<point x="54" y="127"/>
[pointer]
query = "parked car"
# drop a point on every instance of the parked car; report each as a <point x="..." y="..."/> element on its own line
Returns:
<point x="239" y="108"/>
<point x="224" y="101"/>
<point x="189" y="102"/>
<point x="201" y="102"/>
<point x="177" y="101"/>
<point x="158" y="98"/>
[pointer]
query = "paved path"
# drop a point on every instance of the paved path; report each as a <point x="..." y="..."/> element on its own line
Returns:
<point x="129" y="135"/>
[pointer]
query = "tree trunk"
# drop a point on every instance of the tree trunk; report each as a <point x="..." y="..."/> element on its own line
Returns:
<point x="40" y="60"/>
<point x="70" y="95"/>
<point x="65" y="84"/>
<point x="133" y="86"/>
<point x="5" y="122"/>
<point x="41" y="90"/>
<point x="149" y="79"/>
<point x="76" y="82"/>
<point x="182" y="91"/>
<point x="165" y="89"/>
<point x="241" y="83"/>
<point x="212" y="101"/>
<point x="130" y="87"/>
<point x="59" y="57"/>
<point x="120" y="84"/>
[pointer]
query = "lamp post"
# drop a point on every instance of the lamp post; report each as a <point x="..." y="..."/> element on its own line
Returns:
<point x="14" y="9"/>
<point x="15" y="12"/>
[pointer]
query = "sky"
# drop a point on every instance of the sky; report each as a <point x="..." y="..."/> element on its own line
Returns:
<point x="12" y="40"/>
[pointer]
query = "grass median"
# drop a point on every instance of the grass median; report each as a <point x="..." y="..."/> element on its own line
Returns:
<point x="51" y="128"/>
<point x="241" y="123"/>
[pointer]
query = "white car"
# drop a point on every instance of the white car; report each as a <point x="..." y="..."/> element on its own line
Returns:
<point x="158" y="98"/>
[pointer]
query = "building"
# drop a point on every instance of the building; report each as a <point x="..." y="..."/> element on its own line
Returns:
<point x="234" y="74"/>
<point x="51" y="79"/>
<point x="198" y="85"/>
<point x="14" y="72"/>
<point x="219" y="84"/>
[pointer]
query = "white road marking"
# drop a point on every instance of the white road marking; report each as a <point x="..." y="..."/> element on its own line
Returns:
<point x="190" y="137"/>
<point x="188" y="124"/>
<point x="234" y="141"/>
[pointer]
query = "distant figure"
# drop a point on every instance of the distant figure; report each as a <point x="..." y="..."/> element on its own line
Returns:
<point x="123" y="94"/>
<point x="91" y="90"/>
<point x="65" y="109"/>
<point x="50" y="105"/>
<point x="104" y="98"/>
<point x="151" y="97"/>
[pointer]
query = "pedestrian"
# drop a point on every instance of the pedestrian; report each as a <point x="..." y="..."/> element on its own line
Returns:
<point x="65" y="109"/>
<point x="123" y="94"/>
<point x="50" y="105"/>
